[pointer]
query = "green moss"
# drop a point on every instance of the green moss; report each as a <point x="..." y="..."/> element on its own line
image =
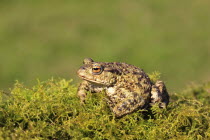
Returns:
<point x="154" y="76"/>
<point x="51" y="110"/>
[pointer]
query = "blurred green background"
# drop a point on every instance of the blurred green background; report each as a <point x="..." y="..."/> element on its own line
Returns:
<point x="45" y="38"/>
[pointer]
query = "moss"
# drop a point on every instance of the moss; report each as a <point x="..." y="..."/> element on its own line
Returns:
<point x="51" y="110"/>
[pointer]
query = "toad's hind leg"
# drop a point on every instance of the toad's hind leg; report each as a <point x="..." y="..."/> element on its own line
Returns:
<point x="159" y="94"/>
<point x="128" y="105"/>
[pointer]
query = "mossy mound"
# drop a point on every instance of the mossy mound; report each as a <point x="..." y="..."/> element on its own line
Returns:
<point x="51" y="110"/>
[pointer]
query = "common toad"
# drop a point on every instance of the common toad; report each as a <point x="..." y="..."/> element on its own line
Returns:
<point x="127" y="87"/>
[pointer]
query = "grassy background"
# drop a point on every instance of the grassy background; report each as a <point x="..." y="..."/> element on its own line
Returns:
<point x="41" y="39"/>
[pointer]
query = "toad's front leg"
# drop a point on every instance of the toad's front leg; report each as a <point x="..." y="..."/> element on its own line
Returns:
<point x="83" y="88"/>
<point x="86" y="87"/>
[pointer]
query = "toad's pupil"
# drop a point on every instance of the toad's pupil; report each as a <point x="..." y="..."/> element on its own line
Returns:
<point x="95" y="68"/>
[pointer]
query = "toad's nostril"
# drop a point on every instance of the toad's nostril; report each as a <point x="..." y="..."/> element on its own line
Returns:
<point x="82" y="67"/>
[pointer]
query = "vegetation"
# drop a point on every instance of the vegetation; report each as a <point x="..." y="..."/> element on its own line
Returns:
<point x="51" y="110"/>
<point x="50" y="38"/>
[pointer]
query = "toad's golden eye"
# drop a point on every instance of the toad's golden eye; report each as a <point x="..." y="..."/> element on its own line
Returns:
<point x="97" y="69"/>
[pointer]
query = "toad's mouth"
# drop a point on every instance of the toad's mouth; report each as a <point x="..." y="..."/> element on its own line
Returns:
<point x="92" y="80"/>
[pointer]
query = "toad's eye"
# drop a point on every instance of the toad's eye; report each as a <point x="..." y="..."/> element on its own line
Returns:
<point x="97" y="69"/>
